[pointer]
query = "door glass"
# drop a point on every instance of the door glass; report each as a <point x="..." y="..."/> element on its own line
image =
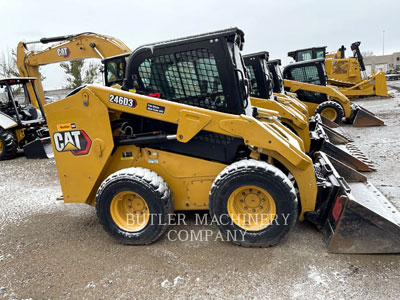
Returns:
<point x="189" y="77"/>
<point x="308" y="74"/>
<point x="255" y="92"/>
<point x="115" y="71"/>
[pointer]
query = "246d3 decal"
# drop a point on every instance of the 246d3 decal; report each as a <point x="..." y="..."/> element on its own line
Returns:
<point x="76" y="141"/>
<point x="123" y="101"/>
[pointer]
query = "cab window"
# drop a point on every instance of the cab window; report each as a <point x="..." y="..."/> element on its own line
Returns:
<point x="304" y="55"/>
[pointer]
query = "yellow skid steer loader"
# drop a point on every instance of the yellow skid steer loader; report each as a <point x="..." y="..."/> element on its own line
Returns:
<point x="315" y="135"/>
<point x="201" y="145"/>
<point x="308" y="80"/>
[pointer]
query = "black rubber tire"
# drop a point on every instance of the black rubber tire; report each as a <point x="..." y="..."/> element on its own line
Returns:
<point x="266" y="176"/>
<point x="332" y="104"/>
<point x="150" y="187"/>
<point x="10" y="146"/>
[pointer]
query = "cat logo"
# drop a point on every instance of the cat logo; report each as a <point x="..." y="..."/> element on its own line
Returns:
<point x="77" y="141"/>
<point x="63" y="52"/>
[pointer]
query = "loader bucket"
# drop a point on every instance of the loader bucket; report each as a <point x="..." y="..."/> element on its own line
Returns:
<point x="364" y="118"/>
<point x="336" y="137"/>
<point x="329" y="123"/>
<point x="349" y="155"/>
<point x="335" y="133"/>
<point x="359" y="219"/>
<point x="39" y="148"/>
<point x="341" y="149"/>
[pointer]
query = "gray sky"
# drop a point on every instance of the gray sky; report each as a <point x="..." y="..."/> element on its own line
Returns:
<point x="275" y="26"/>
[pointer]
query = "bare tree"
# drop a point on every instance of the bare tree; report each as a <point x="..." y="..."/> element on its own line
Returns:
<point x="367" y="53"/>
<point x="8" y="64"/>
<point x="79" y="74"/>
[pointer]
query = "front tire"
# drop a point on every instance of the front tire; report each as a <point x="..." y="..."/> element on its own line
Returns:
<point x="133" y="206"/>
<point x="8" y="144"/>
<point x="331" y="110"/>
<point x="254" y="202"/>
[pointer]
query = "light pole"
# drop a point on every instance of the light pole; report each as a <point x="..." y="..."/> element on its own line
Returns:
<point x="383" y="42"/>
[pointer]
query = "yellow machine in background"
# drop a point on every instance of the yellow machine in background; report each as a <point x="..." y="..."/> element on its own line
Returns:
<point x="267" y="89"/>
<point x="69" y="47"/>
<point x="308" y="80"/>
<point x="348" y="74"/>
<point x="198" y="143"/>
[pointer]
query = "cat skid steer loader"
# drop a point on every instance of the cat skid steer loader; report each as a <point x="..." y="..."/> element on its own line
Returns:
<point x="201" y="145"/>
<point x="308" y="80"/>
<point x="348" y="74"/>
<point x="315" y="135"/>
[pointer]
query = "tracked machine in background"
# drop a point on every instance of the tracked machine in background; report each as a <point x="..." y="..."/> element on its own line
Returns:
<point x="22" y="126"/>
<point x="348" y="74"/>
<point x="267" y="88"/>
<point x="182" y="125"/>
<point x="308" y="80"/>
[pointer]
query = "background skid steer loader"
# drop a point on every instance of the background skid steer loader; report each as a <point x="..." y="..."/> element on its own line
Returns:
<point x="348" y="74"/>
<point x="205" y="144"/>
<point x="315" y="136"/>
<point x="308" y="80"/>
<point x="22" y="126"/>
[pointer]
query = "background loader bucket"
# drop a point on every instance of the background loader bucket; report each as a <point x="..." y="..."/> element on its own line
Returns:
<point x="39" y="148"/>
<point x="360" y="218"/>
<point x="365" y="118"/>
<point x="349" y="155"/>
<point x="339" y="147"/>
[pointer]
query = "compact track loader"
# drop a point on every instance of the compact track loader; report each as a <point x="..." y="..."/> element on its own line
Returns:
<point x="22" y="126"/>
<point x="197" y="143"/>
<point x="308" y="80"/>
<point x="348" y="74"/>
<point x="315" y="135"/>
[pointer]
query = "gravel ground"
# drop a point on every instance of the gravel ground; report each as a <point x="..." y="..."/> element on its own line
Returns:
<point x="52" y="250"/>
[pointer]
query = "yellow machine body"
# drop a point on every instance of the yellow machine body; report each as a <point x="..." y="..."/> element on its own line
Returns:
<point x="332" y="92"/>
<point x="345" y="73"/>
<point x="288" y="115"/>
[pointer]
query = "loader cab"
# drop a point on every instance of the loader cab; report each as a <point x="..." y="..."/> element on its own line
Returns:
<point x="204" y="70"/>
<point x="15" y="102"/>
<point x="311" y="71"/>
<point x="276" y="75"/>
<point x="308" y="54"/>
<point x="259" y="74"/>
<point x="114" y="69"/>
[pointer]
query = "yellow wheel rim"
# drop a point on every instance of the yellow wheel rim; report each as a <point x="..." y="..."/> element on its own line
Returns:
<point x="251" y="208"/>
<point x="129" y="211"/>
<point x="329" y="113"/>
<point x="1" y="146"/>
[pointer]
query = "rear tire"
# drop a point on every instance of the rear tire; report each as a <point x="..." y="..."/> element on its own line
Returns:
<point x="8" y="144"/>
<point x="246" y="198"/>
<point x="133" y="206"/>
<point x="331" y="110"/>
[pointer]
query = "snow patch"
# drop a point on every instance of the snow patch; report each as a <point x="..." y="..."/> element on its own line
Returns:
<point x="166" y="284"/>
